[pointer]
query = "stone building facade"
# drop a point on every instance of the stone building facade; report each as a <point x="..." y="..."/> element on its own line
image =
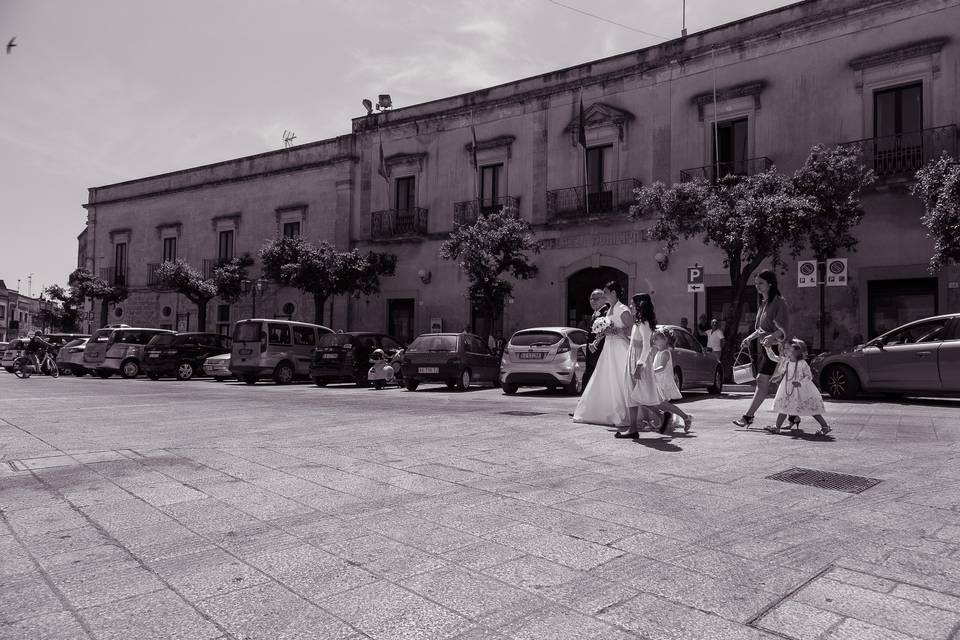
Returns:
<point x="882" y="72"/>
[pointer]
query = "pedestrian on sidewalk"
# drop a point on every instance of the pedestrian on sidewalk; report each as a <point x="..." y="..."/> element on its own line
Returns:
<point x="797" y="394"/>
<point x="666" y="384"/>
<point x="772" y="327"/>
<point x="644" y="394"/>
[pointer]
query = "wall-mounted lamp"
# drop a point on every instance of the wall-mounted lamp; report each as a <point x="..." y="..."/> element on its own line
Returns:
<point x="425" y="276"/>
<point x="663" y="260"/>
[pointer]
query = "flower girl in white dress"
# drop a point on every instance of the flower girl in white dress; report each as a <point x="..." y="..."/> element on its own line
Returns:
<point x="797" y="394"/>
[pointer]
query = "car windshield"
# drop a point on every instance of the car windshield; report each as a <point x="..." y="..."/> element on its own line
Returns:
<point x="103" y="335"/>
<point x="75" y="343"/>
<point x="334" y="340"/>
<point x="535" y="338"/>
<point x="434" y="344"/>
<point x="247" y="332"/>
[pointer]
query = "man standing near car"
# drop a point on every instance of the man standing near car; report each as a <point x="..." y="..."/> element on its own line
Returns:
<point x="595" y="346"/>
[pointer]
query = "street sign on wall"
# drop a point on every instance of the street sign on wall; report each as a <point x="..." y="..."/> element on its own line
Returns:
<point x="806" y="273"/>
<point x="837" y="272"/>
<point x="694" y="279"/>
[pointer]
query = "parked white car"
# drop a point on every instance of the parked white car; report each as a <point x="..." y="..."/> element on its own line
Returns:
<point x="218" y="367"/>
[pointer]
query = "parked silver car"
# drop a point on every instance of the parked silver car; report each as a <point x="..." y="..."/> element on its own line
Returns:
<point x="918" y="358"/>
<point x="70" y="358"/>
<point x="693" y="366"/>
<point x="544" y="357"/>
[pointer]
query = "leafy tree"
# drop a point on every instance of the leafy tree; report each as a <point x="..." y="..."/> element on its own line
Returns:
<point x="86" y="286"/>
<point x="938" y="187"/>
<point x="753" y="219"/>
<point x="226" y="283"/>
<point x="322" y="271"/>
<point x="492" y="246"/>
<point x="62" y="310"/>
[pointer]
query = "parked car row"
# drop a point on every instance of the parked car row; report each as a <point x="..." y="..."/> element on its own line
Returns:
<point x="284" y="351"/>
<point x="14" y="349"/>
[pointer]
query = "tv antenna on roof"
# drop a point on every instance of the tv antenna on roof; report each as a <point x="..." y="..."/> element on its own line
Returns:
<point x="288" y="138"/>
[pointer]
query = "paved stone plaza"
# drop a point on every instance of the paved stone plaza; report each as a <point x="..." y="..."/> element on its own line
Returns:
<point x="138" y="509"/>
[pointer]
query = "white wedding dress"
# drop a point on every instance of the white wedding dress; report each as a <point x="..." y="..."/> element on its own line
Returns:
<point x="606" y="398"/>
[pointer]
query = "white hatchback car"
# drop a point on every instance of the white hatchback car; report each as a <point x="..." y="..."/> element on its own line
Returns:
<point x="549" y="357"/>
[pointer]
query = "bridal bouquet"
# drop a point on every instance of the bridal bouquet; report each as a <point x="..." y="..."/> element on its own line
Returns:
<point x="601" y="326"/>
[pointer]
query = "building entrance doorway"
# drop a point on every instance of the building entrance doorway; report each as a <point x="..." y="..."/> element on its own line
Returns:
<point x="579" y="286"/>
<point x="400" y="319"/>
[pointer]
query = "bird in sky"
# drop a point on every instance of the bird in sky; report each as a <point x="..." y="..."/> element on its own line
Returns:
<point x="11" y="45"/>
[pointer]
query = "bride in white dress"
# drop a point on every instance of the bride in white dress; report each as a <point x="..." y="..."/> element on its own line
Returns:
<point x="606" y="397"/>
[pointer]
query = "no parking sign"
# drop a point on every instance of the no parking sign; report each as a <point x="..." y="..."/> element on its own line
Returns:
<point x="806" y="273"/>
<point x="837" y="272"/>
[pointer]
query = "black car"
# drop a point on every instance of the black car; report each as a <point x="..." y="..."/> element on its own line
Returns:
<point x="182" y="354"/>
<point x="345" y="357"/>
<point x="457" y="359"/>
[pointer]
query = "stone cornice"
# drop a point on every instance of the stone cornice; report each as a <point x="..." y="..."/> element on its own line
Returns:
<point x="899" y="54"/>
<point x="169" y="225"/>
<point x="599" y="114"/>
<point x="747" y="89"/>
<point x="231" y="217"/>
<point x="398" y="159"/>
<point x="117" y="232"/>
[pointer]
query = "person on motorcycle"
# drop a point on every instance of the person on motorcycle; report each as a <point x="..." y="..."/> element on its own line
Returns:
<point x="34" y="347"/>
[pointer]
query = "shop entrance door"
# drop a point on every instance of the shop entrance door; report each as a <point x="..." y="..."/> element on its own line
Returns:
<point x="579" y="286"/>
<point x="400" y="319"/>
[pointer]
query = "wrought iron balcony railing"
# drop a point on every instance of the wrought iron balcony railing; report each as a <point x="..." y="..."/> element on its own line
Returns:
<point x="904" y="154"/>
<point x="714" y="172"/>
<point x="395" y="223"/>
<point x="113" y="276"/>
<point x="612" y="197"/>
<point x="152" y="279"/>
<point x="466" y="212"/>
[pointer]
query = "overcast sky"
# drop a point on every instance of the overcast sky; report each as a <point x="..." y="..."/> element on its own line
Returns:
<point x="101" y="91"/>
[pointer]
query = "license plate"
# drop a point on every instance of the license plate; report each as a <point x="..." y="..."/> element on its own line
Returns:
<point x="154" y="355"/>
<point x="246" y="352"/>
<point x="428" y="370"/>
<point x="329" y="356"/>
<point x="531" y="355"/>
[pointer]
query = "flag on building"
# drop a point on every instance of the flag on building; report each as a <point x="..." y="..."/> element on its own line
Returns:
<point x="382" y="167"/>
<point x="473" y="132"/>
<point x="582" y="128"/>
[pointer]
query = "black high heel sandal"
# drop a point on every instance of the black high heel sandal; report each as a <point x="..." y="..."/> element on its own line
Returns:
<point x="665" y="422"/>
<point x="744" y="421"/>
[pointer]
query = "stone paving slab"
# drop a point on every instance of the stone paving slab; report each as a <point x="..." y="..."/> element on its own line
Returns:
<point x="328" y="522"/>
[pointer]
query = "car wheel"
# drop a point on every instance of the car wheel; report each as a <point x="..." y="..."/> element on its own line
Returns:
<point x="678" y="378"/>
<point x="841" y="382"/>
<point x="9" y="369"/>
<point x="717" y="386"/>
<point x="412" y="384"/>
<point x="283" y="374"/>
<point x="451" y="384"/>
<point x="153" y="375"/>
<point x="184" y="371"/>
<point x="219" y="379"/>
<point x="361" y="380"/>
<point x="250" y="379"/>
<point x="78" y="372"/>
<point x="574" y="387"/>
<point x="464" y="382"/>
<point x="130" y="368"/>
<point x="320" y="382"/>
<point x="509" y="388"/>
<point x="104" y="374"/>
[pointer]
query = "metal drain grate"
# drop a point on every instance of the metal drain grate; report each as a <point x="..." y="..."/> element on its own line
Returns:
<point x="825" y="480"/>
<point x="523" y="413"/>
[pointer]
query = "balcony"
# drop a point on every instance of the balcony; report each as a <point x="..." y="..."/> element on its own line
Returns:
<point x="611" y="198"/>
<point x="465" y="213"/>
<point x="398" y="223"/>
<point x="902" y="155"/>
<point x="114" y="277"/>
<point x="712" y="172"/>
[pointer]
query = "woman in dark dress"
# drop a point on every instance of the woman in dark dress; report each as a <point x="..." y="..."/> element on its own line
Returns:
<point x="772" y="328"/>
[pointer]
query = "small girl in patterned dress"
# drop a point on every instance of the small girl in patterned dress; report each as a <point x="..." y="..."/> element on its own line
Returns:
<point x="797" y="394"/>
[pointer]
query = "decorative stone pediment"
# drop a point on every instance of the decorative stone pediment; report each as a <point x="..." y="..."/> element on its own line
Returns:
<point x="176" y="226"/>
<point x="226" y="219"/>
<point x="492" y="143"/>
<point x="600" y="115"/>
<point x="120" y="235"/>
<point x="403" y="159"/>
<point x="748" y="89"/>
<point x="899" y="54"/>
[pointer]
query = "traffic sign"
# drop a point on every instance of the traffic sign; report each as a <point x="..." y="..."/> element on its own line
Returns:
<point x="806" y="273"/>
<point x="694" y="279"/>
<point x="836" y="272"/>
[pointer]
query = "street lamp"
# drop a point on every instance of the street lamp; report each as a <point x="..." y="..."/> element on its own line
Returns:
<point x="254" y="288"/>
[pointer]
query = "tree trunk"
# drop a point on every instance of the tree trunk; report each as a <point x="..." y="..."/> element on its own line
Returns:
<point x="104" y="310"/>
<point x="318" y="303"/>
<point x="202" y="315"/>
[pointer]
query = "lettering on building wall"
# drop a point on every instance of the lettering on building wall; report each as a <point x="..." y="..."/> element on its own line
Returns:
<point x="607" y="239"/>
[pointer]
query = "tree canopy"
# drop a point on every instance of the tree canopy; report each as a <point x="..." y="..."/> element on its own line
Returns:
<point x="86" y="286"/>
<point x="322" y="271"/>
<point x="938" y="187"/>
<point x="226" y="282"/>
<point x="494" y="245"/>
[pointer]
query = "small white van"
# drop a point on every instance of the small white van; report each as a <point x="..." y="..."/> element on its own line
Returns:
<point x="278" y="349"/>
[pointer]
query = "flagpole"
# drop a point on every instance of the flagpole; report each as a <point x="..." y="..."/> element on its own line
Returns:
<point x="476" y="166"/>
<point x="716" y="141"/>
<point x="582" y="140"/>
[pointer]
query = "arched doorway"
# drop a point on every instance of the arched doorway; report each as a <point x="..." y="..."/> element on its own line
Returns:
<point x="579" y="286"/>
